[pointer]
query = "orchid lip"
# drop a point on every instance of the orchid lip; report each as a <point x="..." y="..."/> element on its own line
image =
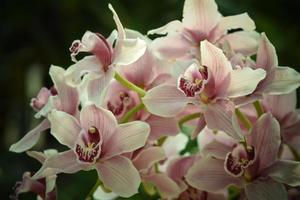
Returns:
<point x="118" y="108"/>
<point x="88" y="147"/>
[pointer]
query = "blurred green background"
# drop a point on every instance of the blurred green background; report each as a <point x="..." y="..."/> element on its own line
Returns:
<point x="37" y="33"/>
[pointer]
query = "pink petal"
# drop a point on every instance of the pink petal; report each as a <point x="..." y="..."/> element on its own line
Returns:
<point x="127" y="138"/>
<point x="200" y="15"/>
<point x="178" y="168"/>
<point x="216" y="149"/>
<point x="165" y="100"/>
<point x="242" y="21"/>
<point x="172" y="46"/>
<point x="167" y="188"/>
<point x="173" y="26"/>
<point x="217" y="63"/>
<point x="65" y="162"/>
<point x="265" y="138"/>
<point x="266" y="55"/>
<point x="161" y="126"/>
<point x="31" y="138"/>
<point x="266" y="189"/>
<point x="121" y="32"/>
<point x="285" y="171"/>
<point x="100" y="118"/>
<point x="68" y="95"/>
<point x="64" y="127"/>
<point x="208" y="174"/>
<point x="119" y="175"/>
<point x="148" y="157"/>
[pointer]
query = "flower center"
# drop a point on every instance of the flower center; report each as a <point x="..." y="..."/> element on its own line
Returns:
<point x="88" y="146"/>
<point x="239" y="160"/>
<point x="121" y="103"/>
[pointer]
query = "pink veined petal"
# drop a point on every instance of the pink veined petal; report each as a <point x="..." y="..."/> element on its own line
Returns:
<point x="148" y="157"/>
<point x="102" y="119"/>
<point x="31" y="138"/>
<point x="173" y="26"/>
<point x="266" y="55"/>
<point x="126" y="138"/>
<point x="121" y="32"/>
<point x="216" y="149"/>
<point x="42" y="156"/>
<point x="119" y="175"/>
<point x="285" y="81"/>
<point x="161" y="126"/>
<point x="280" y="105"/>
<point x="65" y="162"/>
<point x="200" y="15"/>
<point x="244" y="42"/>
<point x="141" y="72"/>
<point x="218" y="116"/>
<point x="285" y="171"/>
<point x="265" y="138"/>
<point x="167" y="188"/>
<point x="68" y="95"/>
<point x="178" y="168"/>
<point x="173" y="46"/>
<point x="266" y="189"/>
<point x="64" y="127"/>
<point x="209" y="174"/>
<point x="201" y="123"/>
<point x="214" y="59"/>
<point x="165" y="100"/>
<point x="129" y="51"/>
<point x="242" y="21"/>
<point x="86" y="65"/>
<point x="244" y="81"/>
<point x="93" y="87"/>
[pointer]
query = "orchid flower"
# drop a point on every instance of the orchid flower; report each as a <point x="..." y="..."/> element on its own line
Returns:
<point x="210" y="84"/>
<point x="61" y="96"/>
<point x="45" y="187"/>
<point x="253" y="165"/>
<point x="99" y="68"/>
<point x="202" y="21"/>
<point x="96" y="141"/>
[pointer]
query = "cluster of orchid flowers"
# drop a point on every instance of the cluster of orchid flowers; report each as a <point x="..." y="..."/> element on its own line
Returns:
<point x="133" y="107"/>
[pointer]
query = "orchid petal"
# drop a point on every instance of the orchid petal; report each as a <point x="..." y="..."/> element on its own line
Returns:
<point x="65" y="162"/>
<point x="242" y="21"/>
<point x="200" y="15"/>
<point x="214" y="59"/>
<point x="265" y="138"/>
<point x="100" y="118"/>
<point x="168" y="189"/>
<point x="127" y="138"/>
<point x="148" y="157"/>
<point x="285" y="171"/>
<point x="265" y="189"/>
<point x="179" y="167"/>
<point x="165" y="100"/>
<point x="119" y="25"/>
<point x="161" y="126"/>
<point x="30" y="139"/>
<point x="130" y="50"/>
<point x="216" y="149"/>
<point x="285" y="81"/>
<point x="119" y="175"/>
<point x="173" y="26"/>
<point x="67" y="94"/>
<point x="64" y="127"/>
<point x="266" y="55"/>
<point x="208" y="174"/>
<point x="244" y="81"/>
<point x="99" y="194"/>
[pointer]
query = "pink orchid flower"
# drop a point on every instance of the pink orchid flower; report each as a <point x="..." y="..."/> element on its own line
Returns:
<point x="252" y="165"/>
<point x="61" y="96"/>
<point x="45" y="187"/>
<point x="283" y="108"/>
<point x="202" y="21"/>
<point x="98" y="69"/>
<point x="96" y="141"/>
<point x="210" y="84"/>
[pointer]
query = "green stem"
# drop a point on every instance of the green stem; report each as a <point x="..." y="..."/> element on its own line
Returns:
<point x="188" y="118"/>
<point x="129" y="85"/>
<point x="90" y="195"/>
<point x="259" y="109"/>
<point x="131" y="112"/>
<point x="243" y="119"/>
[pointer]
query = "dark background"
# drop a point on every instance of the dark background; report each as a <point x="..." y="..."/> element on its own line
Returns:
<point x="37" y="33"/>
